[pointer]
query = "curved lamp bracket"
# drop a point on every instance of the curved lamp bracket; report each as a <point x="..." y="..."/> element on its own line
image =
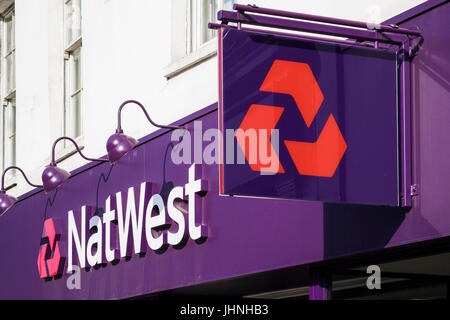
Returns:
<point x="24" y="175"/>
<point x="119" y="119"/>
<point x="53" y="163"/>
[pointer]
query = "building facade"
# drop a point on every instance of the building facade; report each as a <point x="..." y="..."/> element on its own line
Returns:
<point x="67" y="65"/>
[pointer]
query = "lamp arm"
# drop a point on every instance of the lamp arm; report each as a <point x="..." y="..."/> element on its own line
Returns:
<point x="24" y="175"/>
<point x="119" y="120"/>
<point x="53" y="163"/>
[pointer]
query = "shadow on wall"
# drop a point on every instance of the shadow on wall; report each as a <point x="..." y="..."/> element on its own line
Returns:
<point x="435" y="66"/>
<point x="353" y="228"/>
<point x="349" y="229"/>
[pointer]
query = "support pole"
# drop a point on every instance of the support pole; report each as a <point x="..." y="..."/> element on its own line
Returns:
<point x="320" y="286"/>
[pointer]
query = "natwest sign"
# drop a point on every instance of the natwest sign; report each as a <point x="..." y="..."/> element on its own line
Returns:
<point x="133" y="222"/>
<point x="314" y="120"/>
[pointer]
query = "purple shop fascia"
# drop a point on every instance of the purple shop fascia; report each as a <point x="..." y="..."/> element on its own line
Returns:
<point x="246" y="236"/>
<point x="152" y="224"/>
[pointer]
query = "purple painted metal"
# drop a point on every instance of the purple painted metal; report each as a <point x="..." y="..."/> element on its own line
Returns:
<point x="53" y="163"/>
<point x="119" y="145"/>
<point x="52" y="176"/>
<point x="369" y="170"/>
<point x="195" y="263"/>
<point x="310" y="231"/>
<point x="405" y="80"/>
<point x="303" y="16"/>
<point x="212" y="25"/>
<point x="320" y="288"/>
<point x="6" y="201"/>
<point x="284" y="34"/>
<point x="384" y="34"/>
<point x="119" y="122"/>
<point x="405" y="120"/>
<point x="415" y="11"/>
<point x="304" y="26"/>
<point x="21" y="171"/>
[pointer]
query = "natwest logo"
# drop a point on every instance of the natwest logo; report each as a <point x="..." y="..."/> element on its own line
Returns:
<point x="298" y="110"/>
<point x="319" y="158"/>
<point x="133" y="221"/>
<point x="50" y="262"/>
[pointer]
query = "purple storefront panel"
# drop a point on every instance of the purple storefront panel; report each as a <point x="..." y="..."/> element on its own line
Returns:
<point x="352" y="228"/>
<point x="335" y="109"/>
<point x="245" y="235"/>
<point x="430" y="72"/>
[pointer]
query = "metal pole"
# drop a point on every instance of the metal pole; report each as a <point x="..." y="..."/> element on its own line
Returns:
<point x="310" y="17"/>
<point x="320" y="287"/>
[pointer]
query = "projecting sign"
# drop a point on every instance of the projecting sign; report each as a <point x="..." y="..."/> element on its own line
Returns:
<point x="307" y="120"/>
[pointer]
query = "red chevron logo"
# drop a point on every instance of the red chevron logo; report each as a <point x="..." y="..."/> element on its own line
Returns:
<point x="49" y="260"/>
<point x="259" y="118"/>
<point x="320" y="158"/>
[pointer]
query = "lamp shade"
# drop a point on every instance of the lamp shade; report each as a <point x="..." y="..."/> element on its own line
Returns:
<point x="6" y="202"/>
<point x="118" y="145"/>
<point x="53" y="177"/>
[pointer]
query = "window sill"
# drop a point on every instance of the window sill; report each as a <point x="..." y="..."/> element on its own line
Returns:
<point x="11" y="95"/>
<point x="6" y="7"/>
<point x="201" y="54"/>
<point x="74" y="45"/>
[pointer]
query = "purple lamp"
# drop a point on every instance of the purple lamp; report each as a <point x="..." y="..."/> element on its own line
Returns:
<point x="120" y="144"/>
<point x="53" y="177"/>
<point x="7" y="201"/>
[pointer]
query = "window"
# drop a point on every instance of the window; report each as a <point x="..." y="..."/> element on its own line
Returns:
<point x="10" y="54"/>
<point x="72" y="55"/>
<point x="8" y="79"/>
<point x="9" y="133"/>
<point x="196" y="43"/>
<point x="200" y="13"/>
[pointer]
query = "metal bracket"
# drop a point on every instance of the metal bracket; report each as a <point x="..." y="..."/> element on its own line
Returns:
<point x="416" y="46"/>
<point x="414" y="190"/>
<point x="407" y="41"/>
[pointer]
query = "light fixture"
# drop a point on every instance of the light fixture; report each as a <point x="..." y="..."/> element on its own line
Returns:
<point x="120" y="144"/>
<point x="6" y="201"/>
<point x="53" y="177"/>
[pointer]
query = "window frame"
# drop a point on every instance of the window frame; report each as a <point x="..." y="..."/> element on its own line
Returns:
<point x="8" y="96"/>
<point x="9" y="132"/>
<point x="194" y="31"/>
<point x="69" y="94"/>
<point x="194" y="53"/>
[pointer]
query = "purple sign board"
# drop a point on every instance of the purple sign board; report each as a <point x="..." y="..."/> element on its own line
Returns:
<point x="147" y="225"/>
<point x="308" y="120"/>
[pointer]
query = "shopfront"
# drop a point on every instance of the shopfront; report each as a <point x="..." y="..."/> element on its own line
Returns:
<point x="178" y="215"/>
